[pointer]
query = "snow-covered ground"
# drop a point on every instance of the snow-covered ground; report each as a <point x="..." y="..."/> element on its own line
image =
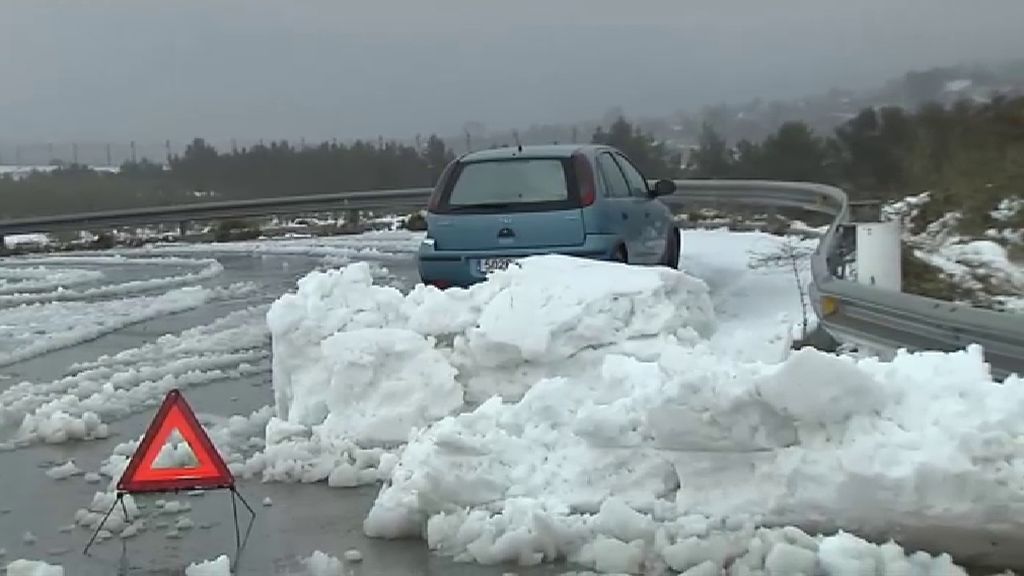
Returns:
<point x="631" y="419"/>
<point x="392" y="244"/>
<point x="18" y="172"/>
<point x="34" y="240"/>
<point x="981" y="265"/>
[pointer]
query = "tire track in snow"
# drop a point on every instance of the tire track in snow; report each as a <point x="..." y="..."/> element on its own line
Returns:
<point x="211" y="269"/>
<point x="31" y="330"/>
<point x="113" y="387"/>
<point x="21" y="280"/>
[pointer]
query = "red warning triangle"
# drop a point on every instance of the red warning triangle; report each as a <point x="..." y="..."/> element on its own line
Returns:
<point x="210" y="473"/>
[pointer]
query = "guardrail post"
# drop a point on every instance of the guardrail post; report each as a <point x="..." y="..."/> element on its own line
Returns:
<point x="352" y="218"/>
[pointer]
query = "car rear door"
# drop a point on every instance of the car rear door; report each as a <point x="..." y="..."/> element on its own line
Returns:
<point x="654" y="216"/>
<point x="509" y="204"/>
<point x="621" y="210"/>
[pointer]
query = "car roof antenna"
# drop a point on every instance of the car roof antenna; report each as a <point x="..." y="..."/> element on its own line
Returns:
<point x="515" y="134"/>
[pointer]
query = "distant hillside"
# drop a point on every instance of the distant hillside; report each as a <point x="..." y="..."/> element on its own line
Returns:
<point x="757" y="119"/>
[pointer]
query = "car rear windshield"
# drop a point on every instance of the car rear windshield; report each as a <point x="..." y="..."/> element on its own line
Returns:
<point x="511" y="185"/>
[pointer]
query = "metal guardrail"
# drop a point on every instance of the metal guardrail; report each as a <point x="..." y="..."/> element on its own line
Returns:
<point x="881" y="320"/>
<point x="411" y="197"/>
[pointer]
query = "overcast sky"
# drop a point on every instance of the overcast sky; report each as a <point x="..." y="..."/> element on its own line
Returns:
<point x="155" y="69"/>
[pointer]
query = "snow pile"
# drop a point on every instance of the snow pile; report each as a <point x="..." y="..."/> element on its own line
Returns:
<point x="296" y="453"/>
<point x="358" y="367"/>
<point x="219" y="567"/>
<point x="33" y="568"/>
<point x="625" y="469"/>
<point x="112" y="387"/>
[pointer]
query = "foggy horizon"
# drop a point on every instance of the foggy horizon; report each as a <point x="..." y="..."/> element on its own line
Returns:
<point x="118" y="70"/>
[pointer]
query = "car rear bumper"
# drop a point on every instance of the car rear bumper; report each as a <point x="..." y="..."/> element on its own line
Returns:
<point x="460" y="267"/>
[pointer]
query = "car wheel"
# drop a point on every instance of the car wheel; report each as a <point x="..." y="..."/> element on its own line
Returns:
<point x="620" y="255"/>
<point x="672" y="245"/>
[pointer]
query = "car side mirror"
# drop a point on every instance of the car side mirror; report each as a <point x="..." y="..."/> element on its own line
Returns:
<point x="663" y="188"/>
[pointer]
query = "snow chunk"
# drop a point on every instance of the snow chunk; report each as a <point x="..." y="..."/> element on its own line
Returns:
<point x="219" y="567"/>
<point x="353" y="555"/>
<point x="132" y="530"/>
<point x="551" y="307"/>
<point x="848" y="391"/>
<point x="320" y="564"/>
<point x="786" y="559"/>
<point x="66" y="470"/>
<point x="383" y="383"/>
<point x="175" y="506"/>
<point x="33" y="568"/>
<point x="611" y="555"/>
<point x="324" y="304"/>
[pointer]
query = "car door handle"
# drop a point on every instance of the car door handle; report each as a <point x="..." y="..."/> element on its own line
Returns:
<point x="625" y="216"/>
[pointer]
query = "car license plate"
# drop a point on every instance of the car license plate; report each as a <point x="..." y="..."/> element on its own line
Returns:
<point x="488" y="265"/>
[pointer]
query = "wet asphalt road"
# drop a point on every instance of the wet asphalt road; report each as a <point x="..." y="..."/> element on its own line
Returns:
<point x="301" y="519"/>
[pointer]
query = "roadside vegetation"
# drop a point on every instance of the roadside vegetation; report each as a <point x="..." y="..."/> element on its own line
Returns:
<point x="970" y="156"/>
<point x="203" y="173"/>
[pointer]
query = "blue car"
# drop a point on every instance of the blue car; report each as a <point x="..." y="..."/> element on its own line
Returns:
<point x="492" y="207"/>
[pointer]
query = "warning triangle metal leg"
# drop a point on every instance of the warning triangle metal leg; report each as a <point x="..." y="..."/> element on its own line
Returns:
<point x="119" y="500"/>
<point x="236" y="496"/>
<point x="240" y="542"/>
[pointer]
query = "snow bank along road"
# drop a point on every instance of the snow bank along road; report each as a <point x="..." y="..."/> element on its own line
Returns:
<point x="627" y="420"/>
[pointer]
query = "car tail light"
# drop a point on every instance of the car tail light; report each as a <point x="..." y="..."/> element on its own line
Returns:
<point x="584" y="179"/>
<point x="439" y="284"/>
